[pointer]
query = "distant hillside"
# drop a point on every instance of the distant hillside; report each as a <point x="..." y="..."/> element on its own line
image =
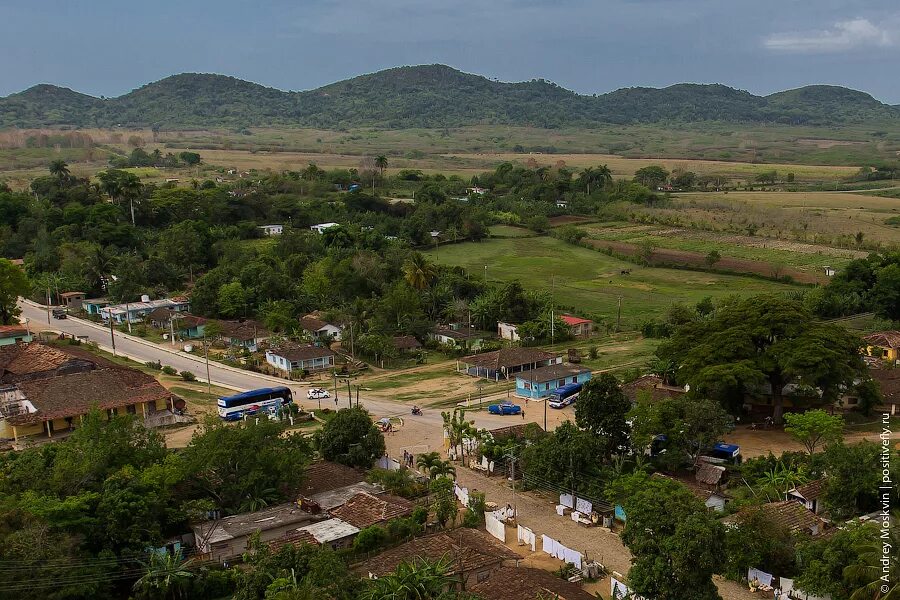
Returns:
<point x="428" y="96"/>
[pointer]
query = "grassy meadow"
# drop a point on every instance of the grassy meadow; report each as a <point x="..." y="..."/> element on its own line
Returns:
<point x="590" y="282"/>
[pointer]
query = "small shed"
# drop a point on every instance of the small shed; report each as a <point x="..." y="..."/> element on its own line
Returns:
<point x="72" y="300"/>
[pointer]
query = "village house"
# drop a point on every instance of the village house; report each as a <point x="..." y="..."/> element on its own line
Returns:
<point x="185" y="325"/>
<point x="30" y="361"/>
<point x="580" y="328"/>
<point x="405" y="344"/>
<point x="227" y="538"/>
<point x="365" y="509"/>
<point x="291" y="356"/>
<point x="888" y="381"/>
<point x="14" y="334"/>
<point x="323" y="227"/>
<point x="72" y="300"/>
<point x="652" y="387"/>
<point x="54" y="406"/>
<point x="508" y="331"/>
<point x="334" y="533"/>
<point x="268" y="230"/>
<point x="541" y="382"/>
<point x="501" y="364"/>
<point x="809" y="494"/>
<point x="459" y="337"/>
<point x="320" y="329"/>
<point x="135" y="312"/>
<point x="790" y="514"/>
<point x="884" y="345"/>
<point x="526" y="583"/>
<point x="473" y="556"/>
<point x="93" y="305"/>
<point x="247" y="335"/>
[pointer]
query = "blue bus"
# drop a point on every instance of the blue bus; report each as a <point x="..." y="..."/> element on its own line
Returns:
<point x="261" y="401"/>
<point x="565" y="395"/>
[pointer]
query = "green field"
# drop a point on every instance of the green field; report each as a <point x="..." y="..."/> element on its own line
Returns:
<point x="590" y="282"/>
<point x="803" y="257"/>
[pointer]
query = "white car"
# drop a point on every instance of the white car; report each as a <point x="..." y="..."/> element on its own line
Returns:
<point x="317" y="394"/>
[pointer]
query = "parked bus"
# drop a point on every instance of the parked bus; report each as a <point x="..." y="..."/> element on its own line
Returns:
<point x="564" y="396"/>
<point x="263" y="400"/>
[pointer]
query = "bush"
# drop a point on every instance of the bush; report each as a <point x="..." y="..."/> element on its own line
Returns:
<point x="370" y="538"/>
<point x="155" y="365"/>
<point x="593" y="352"/>
<point x="188" y="376"/>
<point x="169" y="370"/>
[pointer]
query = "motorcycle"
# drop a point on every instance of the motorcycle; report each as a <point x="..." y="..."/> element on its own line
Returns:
<point x="417" y="411"/>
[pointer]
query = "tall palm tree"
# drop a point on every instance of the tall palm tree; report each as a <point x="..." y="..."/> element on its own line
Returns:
<point x="427" y="461"/>
<point x="416" y="580"/>
<point x="110" y="184"/>
<point x="164" y="575"/>
<point x="131" y="188"/>
<point x="381" y="162"/>
<point x="869" y="572"/>
<point x="59" y="169"/>
<point x="458" y="429"/>
<point x="418" y="271"/>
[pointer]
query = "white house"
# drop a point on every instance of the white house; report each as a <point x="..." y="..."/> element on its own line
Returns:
<point x="476" y="190"/>
<point x="320" y="329"/>
<point x="829" y="271"/>
<point x="271" y="229"/>
<point x="321" y="227"/>
<point x="296" y="357"/>
<point x="508" y="331"/>
<point x="136" y="311"/>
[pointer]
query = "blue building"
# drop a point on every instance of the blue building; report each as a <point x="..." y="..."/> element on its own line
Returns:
<point x="540" y="383"/>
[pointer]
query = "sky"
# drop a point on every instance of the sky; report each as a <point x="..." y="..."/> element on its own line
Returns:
<point x="108" y="48"/>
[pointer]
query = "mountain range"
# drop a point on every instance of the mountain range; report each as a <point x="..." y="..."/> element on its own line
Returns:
<point x="428" y="96"/>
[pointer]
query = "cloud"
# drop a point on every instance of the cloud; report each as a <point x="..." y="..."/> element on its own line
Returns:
<point x="843" y="36"/>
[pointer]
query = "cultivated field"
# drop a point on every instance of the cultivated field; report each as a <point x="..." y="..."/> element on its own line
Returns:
<point x="592" y="283"/>
<point x="824" y="218"/>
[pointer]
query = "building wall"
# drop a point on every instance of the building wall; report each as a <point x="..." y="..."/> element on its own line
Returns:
<point x="525" y="388"/>
<point x="9" y="341"/>
<point x="885" y="353"/>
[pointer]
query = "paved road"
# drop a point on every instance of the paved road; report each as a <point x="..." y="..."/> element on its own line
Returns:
<point x="141" y="350"/>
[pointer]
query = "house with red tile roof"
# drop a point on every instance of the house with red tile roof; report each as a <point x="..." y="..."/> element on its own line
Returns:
<point x="579" y="326"/>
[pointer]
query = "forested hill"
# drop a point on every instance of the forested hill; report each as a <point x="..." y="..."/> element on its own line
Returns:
<point x="428" y="96"/>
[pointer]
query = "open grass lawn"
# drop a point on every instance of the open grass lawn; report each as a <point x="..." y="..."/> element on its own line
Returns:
<point x="590" y="282"/>
<point x="507" y="231"/>
<point x="803" y="257"/>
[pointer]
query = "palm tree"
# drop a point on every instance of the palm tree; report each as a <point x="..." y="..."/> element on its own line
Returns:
<point x="417" y="580"/>
<point x="131" y="188"/>
<point x="442" y="469"/>
<point x="418" y="271"/>
<point x="427" y="461"/>
<point x="110" y="184"/>
<point x="777" y="481"/>
<point x="59" y="169"/>
<point x="381" y="162"/>
<point x="164" y="574"/>
<point x="458" y="429"/>
<point x="870" y="570"/>
<point x="663" y="368"/>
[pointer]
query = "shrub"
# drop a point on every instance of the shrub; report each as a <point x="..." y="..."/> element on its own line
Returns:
<point x="593" y="352"/>
<point x="155" y="365"/>
<point x="188" y="376"/>
<point x="169" y="370"/>
<point x="370" y="538"/>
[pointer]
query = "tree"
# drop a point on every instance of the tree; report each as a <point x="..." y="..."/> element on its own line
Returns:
<point x="458" y="429"/>
<point x="834" y="564"/>
<point x="381" y="162"/>
<point x="676" y="543"/>
<point x="886" y="292"/>
<point x="232" y="300"/>
<point x="443" y="468"/>
<point x="854" y="476"/>
<point x="189" y="158"/>
<point x="418" y="272"/>
<point x="443" y="500"/>
<point x="756" y="541"/>
<point x="59" y="168"/>
<point x="566" y="458"/>
<point x="712" y="258"/>
<point x="428" y="461"/>
<point x="651" y="176"/>
<point x="13" y="284"/>
<point x="877" y="572"/>
<point x="415" y="580"/>
<point x="772" y="340"/>
<point x="219" y="466"/>
<point x="351" y="438"/>
<point x="164" y="576"/>
<point x="602" y="410"/>
<point x="813" y="427"/>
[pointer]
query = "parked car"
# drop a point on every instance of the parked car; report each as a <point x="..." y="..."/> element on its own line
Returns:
<point x="59" y="313"/>
<point x="505" y="408"/>
<point x="317" y="394"/>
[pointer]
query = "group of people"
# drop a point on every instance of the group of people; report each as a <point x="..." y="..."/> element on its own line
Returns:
<point x="409" y="459"/>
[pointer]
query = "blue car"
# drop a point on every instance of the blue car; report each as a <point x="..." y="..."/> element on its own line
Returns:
<point x="504" y="409"/>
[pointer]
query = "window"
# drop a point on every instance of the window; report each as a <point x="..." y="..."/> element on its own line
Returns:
<point x="527" y="386"/>
<point x="131" y="409"/>
<point x="575" y="379"/>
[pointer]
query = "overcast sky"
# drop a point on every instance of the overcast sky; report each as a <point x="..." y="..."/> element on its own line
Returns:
<point x="107" y="48"/>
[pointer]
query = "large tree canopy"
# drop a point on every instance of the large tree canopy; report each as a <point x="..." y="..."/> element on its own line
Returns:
<point x="759" y="346"/>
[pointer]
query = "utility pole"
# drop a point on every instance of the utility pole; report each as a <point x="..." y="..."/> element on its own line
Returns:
<point x="48" y="305"/>
<point x="128" y="316"/>
<point x="112" y="332"/>
<point x="172" y="328"/>
<point x="206" y="352"/>
<point x="349" y="394"/>
<point x="512" y="465"/>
